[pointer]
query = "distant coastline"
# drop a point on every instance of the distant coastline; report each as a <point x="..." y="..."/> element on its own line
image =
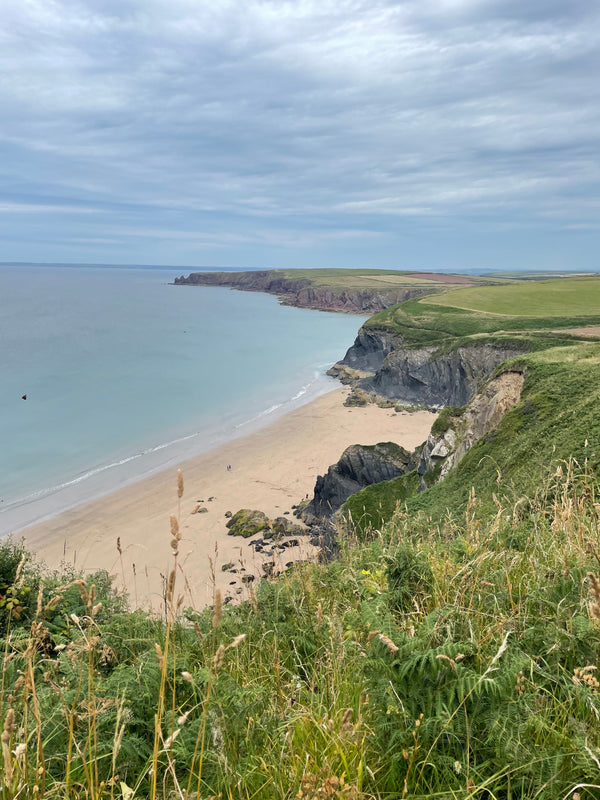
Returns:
<point x="303" y="291"/>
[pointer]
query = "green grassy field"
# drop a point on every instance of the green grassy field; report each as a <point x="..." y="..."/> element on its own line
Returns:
<point x="355" y="279"/>
<point x="438" y="320"/>
<point x="566" y="297"/>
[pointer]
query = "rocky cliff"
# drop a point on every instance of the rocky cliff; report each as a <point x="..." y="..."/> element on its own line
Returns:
<point x="359" y="466"/>
<point x="429" y="375"/>
<point x="302" y="293"/>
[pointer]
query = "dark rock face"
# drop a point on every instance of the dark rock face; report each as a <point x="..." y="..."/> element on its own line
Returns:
<point x="421" y="375"/>
<point x="358" y="467"/>
<point x="370" y="349"/>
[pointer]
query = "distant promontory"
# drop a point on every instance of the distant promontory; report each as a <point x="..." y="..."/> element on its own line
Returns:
<point x="349" y="290"/>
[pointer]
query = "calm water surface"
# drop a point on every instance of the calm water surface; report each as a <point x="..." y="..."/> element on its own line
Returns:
<point x="126" y="374"/>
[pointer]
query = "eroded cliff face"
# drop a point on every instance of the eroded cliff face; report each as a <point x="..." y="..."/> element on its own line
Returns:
<point x="299" y="292"/>
<point x="421" y="375"/>
<point x="359" y="466"/>
<point x="443" y="451"/>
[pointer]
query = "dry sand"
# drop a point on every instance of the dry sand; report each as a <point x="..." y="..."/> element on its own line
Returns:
<point x="271" y="470"/>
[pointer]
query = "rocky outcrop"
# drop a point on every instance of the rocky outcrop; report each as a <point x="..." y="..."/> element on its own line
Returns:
<point x="266" y="280"/>
<point x="443" y="450"/>
<point x="359" y="466"/>
<point x="420" y="376"/>
<point x="370" y="349"/>
<point x="300" y="292"/>
<point x="246" y="522"/>
<point x="426" y="375"/>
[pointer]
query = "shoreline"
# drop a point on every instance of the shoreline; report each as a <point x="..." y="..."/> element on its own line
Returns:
<point x="42" y="505"/>
<point x="273" y="468"/>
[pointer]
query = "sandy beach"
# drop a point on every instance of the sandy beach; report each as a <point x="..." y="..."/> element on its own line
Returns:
<point x="271" y="469"/>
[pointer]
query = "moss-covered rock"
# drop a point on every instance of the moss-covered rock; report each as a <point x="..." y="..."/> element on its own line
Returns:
<point x="282" y="526"/>
<point x="246" y="522"/>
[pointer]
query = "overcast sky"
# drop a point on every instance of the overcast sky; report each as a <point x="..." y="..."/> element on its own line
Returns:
<point x="411" y="134"/>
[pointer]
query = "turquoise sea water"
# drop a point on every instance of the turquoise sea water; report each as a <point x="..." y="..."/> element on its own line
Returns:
<point x="126" y="374"/>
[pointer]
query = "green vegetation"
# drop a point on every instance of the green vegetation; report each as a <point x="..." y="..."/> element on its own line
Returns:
<point x="450" y="657"/>
<point x="246" y="522"/>
<point x="370" y="508"/>
<point x="557" y="419"/>
<point x="433" y="321"/>
<point x="558" y="298"/>
<point x="383" y="279"/>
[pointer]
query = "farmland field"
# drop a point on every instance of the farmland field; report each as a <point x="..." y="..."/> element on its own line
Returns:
<point x="554" y="298"/>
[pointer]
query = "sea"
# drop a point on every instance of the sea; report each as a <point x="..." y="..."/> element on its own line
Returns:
<point x="109" y="375"/>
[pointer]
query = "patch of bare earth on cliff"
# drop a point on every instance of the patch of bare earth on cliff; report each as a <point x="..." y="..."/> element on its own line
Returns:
<point x="439" y="277"/>
<point x="590" y="331"/>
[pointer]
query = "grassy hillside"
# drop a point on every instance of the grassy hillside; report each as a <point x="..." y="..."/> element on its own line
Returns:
<point x="573" y="297"/>
<point x="380" y="279"/>
<point x="561" y="305"/>
<point x="454" y="654"/>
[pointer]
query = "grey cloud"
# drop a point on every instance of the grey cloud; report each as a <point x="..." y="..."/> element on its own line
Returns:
<point x="285" y="114"/>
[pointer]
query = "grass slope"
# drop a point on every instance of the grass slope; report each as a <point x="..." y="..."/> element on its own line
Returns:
<point x="572" y="297"/>
<point x="556" y="420"/>
<point x="422" y="322"/>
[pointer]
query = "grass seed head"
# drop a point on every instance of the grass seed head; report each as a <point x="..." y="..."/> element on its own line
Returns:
<point x="219" y="657"/>
<point x="5" y="740"/>
<point x="388" y="643"/>
<point x="82" y="591"/>
<point x="171" y="585"/>
<point x="9" y="724"/>
<point x="237" y="641"/>
<point x="179" y="484"/>
<point x="217" y="609"/>
<point x="171" y="739"/>
<point x="450" y="661"/>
